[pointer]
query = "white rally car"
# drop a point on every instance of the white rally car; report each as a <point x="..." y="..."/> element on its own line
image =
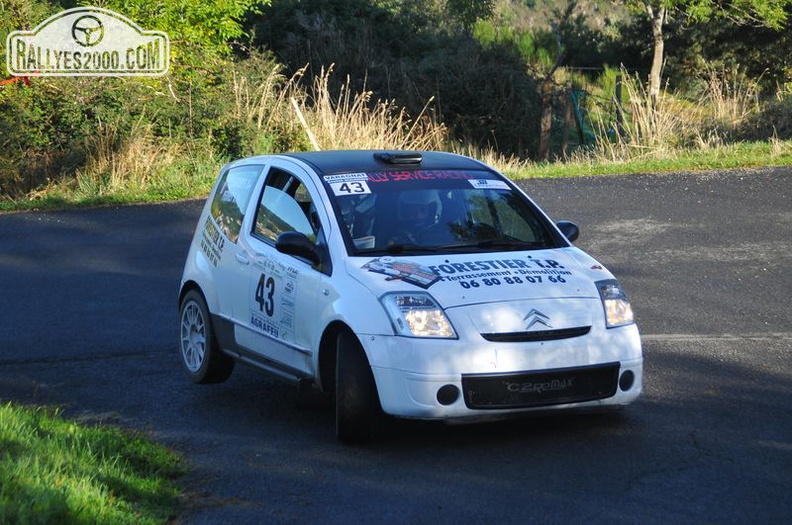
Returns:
<point x="419" y="284"/>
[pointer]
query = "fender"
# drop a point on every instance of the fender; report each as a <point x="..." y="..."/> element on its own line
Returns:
<point x="346" y="309"/>
<point x="198" y="268"/>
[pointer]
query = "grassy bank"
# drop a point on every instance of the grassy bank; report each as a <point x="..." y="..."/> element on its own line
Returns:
<point x="176" y="183"/>
<point x="732" y="156"/>
<point x="55" y="471"/>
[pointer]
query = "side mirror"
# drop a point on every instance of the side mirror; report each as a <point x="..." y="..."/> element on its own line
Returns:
<point x="569" y="229"/>
<point x="297" y="244"/>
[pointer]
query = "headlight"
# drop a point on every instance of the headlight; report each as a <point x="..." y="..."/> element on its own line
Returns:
<point x="618" y="311"/>
<point x="417" y="315"/>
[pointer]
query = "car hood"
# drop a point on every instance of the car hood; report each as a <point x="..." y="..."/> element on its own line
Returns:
<point x="479" y="278"/>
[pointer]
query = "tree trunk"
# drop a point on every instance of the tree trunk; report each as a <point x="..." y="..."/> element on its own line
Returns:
<point x="546" y="124"/>
<point x="657" y="14"/>
<point x="567" y="105"/>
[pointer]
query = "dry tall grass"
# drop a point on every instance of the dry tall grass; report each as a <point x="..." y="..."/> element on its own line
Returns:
<point x="659" y="128"/>
<point x="279" y="113"/>
<point x="268" y="104"/>
<point x="346" y="119"/>
<point x="731" y="97"/>
<point x="256" y="100"/>
<point x="354" y="119"/>
<point x="117" y="160"/>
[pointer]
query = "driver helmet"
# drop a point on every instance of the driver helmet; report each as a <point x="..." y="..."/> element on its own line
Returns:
<point x="419" y="209"/>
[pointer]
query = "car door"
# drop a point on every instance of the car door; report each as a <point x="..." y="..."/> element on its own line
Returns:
<point x="283" y="299"/>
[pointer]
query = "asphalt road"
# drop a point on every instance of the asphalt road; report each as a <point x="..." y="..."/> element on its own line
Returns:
<point x="89" y="323"/>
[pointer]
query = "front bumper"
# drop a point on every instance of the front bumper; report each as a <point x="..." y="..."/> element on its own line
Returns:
<point x="417" y="378"/>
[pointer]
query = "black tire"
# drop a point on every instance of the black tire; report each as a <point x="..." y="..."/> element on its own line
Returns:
<point x="200" y="354"/>
<point x="357" y="404"/>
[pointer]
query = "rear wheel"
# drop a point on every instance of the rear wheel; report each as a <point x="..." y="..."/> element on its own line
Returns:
<point x="357" y="404"/>
<point x="200" y="353"/>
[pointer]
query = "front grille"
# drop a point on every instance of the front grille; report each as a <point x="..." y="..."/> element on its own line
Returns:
<point x="539" y="335"/>
<point x="540" y="388"/>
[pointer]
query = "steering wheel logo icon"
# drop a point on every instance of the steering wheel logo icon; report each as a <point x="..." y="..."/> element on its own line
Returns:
<point x="87" y="31"/>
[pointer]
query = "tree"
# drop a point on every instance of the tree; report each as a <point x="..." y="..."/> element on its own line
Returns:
<point x="195" y="27"/>
<point x="769" y="13"/>
<point x="468" y="11"/>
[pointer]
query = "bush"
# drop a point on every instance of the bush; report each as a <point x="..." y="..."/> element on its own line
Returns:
<point x="774" y="120"/>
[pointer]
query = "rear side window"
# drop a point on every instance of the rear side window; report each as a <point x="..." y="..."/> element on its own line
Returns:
<point x="231" y="200"/>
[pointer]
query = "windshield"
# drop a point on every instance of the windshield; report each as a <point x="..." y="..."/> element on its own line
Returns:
<point x="421" y="211"/>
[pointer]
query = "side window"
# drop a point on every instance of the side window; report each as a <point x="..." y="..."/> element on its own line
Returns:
<point x="232" y="198"/>
<point x="285" y="205"/>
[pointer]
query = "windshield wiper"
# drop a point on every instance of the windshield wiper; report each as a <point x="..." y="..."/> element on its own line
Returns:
<point x="496" y="243"/>
<point x="399" y="249"/>
<point x="511" y="244"/>
<point x="396" y="249"/>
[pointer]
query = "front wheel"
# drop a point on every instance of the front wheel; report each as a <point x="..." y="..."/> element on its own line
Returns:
<point x="357" y="403"/>
<point x="200" y="353"/>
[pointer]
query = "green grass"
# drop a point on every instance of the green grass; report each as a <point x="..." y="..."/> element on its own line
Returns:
<point x="732" y="156"/>
<point x="171" y="184"/>
<point x="174" y="183"/>
<point x="56" y="471"/>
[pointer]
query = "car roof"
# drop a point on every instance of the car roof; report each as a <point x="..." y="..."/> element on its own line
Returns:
<point x="328" y="162"/>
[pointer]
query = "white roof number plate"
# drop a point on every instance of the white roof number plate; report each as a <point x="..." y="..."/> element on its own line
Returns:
<point x="353" y="187"/>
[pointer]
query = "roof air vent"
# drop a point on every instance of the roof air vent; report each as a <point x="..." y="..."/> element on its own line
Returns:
<point x="399" y="158"/>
